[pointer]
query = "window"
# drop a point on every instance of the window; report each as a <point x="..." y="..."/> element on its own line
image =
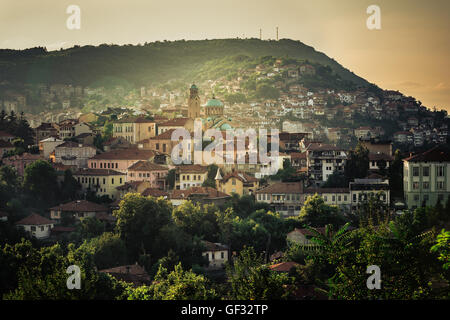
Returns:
<point x="416" y="197"/>
<point x="112" y="180"/>
<point x="440" y="185"/>
<point x="233" y="182"/>
<point x="440" y="171"/>
<point x="415" y="185"/>
<point x="415" y="171"/>
<point x="157" y="146"/>
<point x="222" y="255"/>
<point x="426" y="171"/>
<point x="333" y="198"/>
<point x="426" y="185"/>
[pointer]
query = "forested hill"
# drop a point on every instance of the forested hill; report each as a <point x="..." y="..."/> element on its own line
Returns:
<point x="144" y="64"/>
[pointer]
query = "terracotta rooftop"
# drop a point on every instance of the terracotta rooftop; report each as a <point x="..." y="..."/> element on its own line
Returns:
<point x="34" y="219"/>
<point x="146" y="166"/>
<point x="326" y="190"/>
<point x="283" y="187"/>
<point x="283" y="266"/>
<point x="130" y="273"/>
<point x="245" y="178"/>
<point x="192" y="168"/>
<point x="125" y="154"/>
<point x="436" y="154"/>
<point x="80" y="206"/>
<point x="210" y="246"/>
<point x="177" y="122"/>
<point x="97" y="172"/>
<point x="205" y="192"/>
<point x="154" y="193"/>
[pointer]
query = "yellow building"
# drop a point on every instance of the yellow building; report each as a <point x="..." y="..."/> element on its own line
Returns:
<point x="103" y="182"/>
<point x="190" y="176"/>
<point x="134" y="129"/>
<point x="236" y="182"/>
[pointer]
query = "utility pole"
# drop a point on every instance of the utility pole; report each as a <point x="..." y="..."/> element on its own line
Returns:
<point x="277" y="33"/>
<point x="260" y="34"/>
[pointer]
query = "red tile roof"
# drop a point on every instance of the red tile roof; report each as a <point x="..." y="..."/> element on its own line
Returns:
<point x="436" y="154"/>
<point x="192" y="168"/>
<point x="283" y="187"/>
<point x="125" y="154"/>
<point x="245" y="178"/>
<point x="206" y="192"/>
<point x="177" y="122"/>
<point x="34" y="219"/>
<point x="80" y="206"/>
<point x="97" y="172"/>
<point x="283" y="266"/>
<point x="154" y="193"/>
<point x="146" y="166"/>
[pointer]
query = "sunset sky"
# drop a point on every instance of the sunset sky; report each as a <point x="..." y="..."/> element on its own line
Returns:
<point x="410" y="53"/>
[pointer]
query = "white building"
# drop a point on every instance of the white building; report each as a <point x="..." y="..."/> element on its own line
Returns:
<point x="38" y="226"/>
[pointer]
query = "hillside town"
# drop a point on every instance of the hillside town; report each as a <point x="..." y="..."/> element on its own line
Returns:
<point x="104" y="161"/>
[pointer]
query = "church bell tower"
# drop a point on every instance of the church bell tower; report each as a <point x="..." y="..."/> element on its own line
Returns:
<point x="193" y="103"/>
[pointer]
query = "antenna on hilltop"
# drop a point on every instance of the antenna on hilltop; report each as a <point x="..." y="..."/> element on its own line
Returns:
<point x="260" y="34"/>
<point x="277" y="33"/>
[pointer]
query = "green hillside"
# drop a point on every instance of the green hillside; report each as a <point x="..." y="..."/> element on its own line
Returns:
<point x="151" y="63"/>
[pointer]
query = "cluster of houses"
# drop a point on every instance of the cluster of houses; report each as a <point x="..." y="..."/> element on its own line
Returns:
<point x="138" y="158"/>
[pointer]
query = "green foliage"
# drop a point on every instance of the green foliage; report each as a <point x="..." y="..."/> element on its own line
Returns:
<point x="141" y="221"/>
<point x="442" y="247"/>
<point x="176" y="285"/>
<point x="250" y="280"/>
<point x="107" y="250"/>
<point x="40" y="181"/>
<point x="316" y="213"/>
<point x="358" y="164"/>
<point x="35" y="274"/>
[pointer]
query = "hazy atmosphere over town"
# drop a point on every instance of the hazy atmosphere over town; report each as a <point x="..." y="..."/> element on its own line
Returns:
<point x="240" y="152"/>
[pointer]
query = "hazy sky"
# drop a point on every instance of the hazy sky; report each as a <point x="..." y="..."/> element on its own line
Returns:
<point x="410" y="53"/>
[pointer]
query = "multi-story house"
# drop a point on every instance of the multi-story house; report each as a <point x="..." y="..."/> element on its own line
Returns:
<point x="74" y="154"/>
<point x="20" y="162"/>
<point x="48" y="145"/>
<point x="77" y="209"/>
<point x="147" y="171"/>
<point x="361" y="189"/>
<point x="332" y="196"/>
<point x="236" y="182"/>
<point x="283" y="197"/>
<point x="177" y="123"/>
<point x="120" y="159"/>
<point x="426" y="178"/>
<point x="323" y="160"/>
<point x="103" y="182"/>
<point x="37" y="226"/>
<point x="45" y="130"/>
<point x="190" y="176"/>
<point x="134" y="129"/>
<point x="66" y="128"/>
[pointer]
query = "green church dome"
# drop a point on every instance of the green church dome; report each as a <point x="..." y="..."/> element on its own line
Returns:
<point x="225" y="126"/>
<point x="214" y="103"/>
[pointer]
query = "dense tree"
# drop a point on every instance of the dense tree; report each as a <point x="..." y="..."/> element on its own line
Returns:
<point x="40" y="181"/>
<point x="316" y="213"/>
<point x="251" y="280"/>
<point x="358" y="164"/>
<point x="176" y="285"/>
<point x="140" y="222"/>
